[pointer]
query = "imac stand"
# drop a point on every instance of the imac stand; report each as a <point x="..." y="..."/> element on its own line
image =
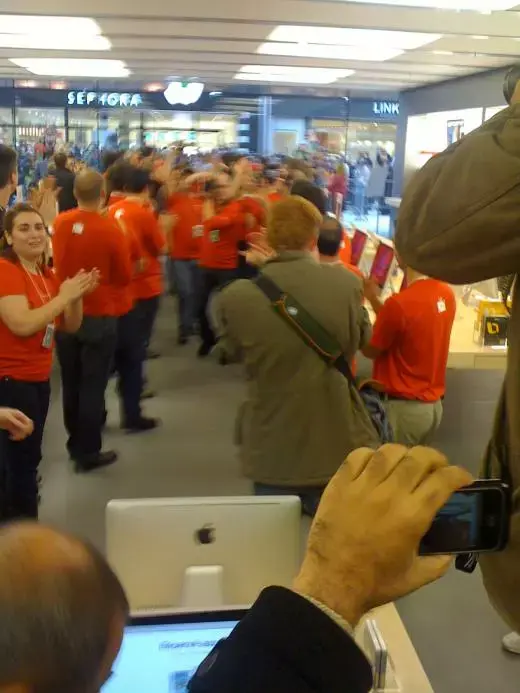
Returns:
<point x="203" y="587"/>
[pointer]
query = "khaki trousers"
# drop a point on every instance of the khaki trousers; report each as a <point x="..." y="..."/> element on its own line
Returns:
<point x="413" y="423"/>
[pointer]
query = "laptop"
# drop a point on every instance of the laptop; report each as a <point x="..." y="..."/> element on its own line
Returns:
<point x="160" y="653"/>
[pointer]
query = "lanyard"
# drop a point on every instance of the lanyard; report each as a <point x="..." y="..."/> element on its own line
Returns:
<point x="35" y="285"/>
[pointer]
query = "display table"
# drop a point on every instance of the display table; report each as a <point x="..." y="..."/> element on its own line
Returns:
<point x="405" y="672"/>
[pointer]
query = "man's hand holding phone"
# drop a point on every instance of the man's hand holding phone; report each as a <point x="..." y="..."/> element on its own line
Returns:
<point x="363" y="545"/>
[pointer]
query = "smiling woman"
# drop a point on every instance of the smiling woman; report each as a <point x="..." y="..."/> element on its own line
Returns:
<point x="32" y="306"/>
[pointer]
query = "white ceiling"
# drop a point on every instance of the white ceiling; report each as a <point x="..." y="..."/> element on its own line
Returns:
<point x="211" y="41"/>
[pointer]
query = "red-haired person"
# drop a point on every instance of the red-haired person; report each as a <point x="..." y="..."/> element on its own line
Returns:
<point x="33" y="305"/>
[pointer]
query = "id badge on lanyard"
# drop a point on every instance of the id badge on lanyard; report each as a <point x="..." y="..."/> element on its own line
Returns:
<point x="197" y="231"/>
<point x="48" y="337"/>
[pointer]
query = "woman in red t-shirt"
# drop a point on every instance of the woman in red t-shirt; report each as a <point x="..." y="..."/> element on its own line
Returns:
<point x="31" y="304"/>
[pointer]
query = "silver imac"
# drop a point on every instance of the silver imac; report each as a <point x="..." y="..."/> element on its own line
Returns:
<point x="202" y="552"/>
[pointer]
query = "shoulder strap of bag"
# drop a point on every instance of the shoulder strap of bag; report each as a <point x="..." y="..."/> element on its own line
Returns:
<point x="277" y="296"/>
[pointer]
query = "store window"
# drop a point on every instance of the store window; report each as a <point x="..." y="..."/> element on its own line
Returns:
<point x="119" y="129"/>
<point x="6" y="126"/>
<point x="216" y="130"/>
<point x="38" y="129"/>
<point x="352" y="138"/>
<point x="163" y="128"/>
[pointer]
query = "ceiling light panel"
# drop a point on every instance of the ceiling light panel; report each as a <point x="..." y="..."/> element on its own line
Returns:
<point x="34" y="24"/>
<point x="314" y="50"/>
<point x="476" y="5"/>
<point x="335" y="36"/>
<point x="289" y="73"/>
<point x="64" y="41"/>
<point x="72" y="67"/>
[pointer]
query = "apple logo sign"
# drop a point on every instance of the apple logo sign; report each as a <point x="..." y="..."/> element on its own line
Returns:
<point x="183" y="93"/>
<point x="205" y="535"/>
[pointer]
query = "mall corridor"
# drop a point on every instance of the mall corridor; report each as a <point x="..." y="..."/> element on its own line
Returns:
<point x="192" y="454"/>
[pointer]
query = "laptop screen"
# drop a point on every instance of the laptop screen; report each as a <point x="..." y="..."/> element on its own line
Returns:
<point x="161" y="657"/>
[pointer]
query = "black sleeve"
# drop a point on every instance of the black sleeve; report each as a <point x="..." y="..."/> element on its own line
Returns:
<point x="284" y="644"/>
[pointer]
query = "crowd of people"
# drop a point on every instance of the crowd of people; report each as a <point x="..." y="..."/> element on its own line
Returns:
<point x="219" y="228"/>
<point x="62" y="609"/>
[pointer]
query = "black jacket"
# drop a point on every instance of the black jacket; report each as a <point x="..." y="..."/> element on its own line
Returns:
<point x="65" y="182"/>
<point x="284" y="645"/>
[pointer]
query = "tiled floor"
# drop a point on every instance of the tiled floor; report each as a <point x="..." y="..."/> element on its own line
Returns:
<point x="455" y="631"/>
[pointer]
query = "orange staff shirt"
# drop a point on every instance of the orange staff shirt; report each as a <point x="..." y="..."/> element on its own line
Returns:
<point x="222" y="234"/>
<point x="88" y="240"/>
<point x="188" y="230"/>
<point x="413" y="329"/>
<point x="25" y="358"/>
<point x="145" y="225"/>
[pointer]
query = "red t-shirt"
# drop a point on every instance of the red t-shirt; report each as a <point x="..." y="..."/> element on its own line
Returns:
<point x="25" y="358"/>
<point x="187" y="232"/>
<point x="124" y="297"/>
<point x="141" y="219"/>
<point x="85" y="240"/>
<point x="222" y="234"/>
<point x="413" y="329"/>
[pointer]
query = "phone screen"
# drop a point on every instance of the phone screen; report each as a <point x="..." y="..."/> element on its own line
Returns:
<point x="472" y="520"/>
<point x="359" y="240"/>
<point x="382" y="263"/>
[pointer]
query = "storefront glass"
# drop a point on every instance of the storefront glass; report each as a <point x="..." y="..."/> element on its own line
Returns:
<point x="119" y="129"/>
<point x="6" y="126"/>
<point x="40" y="128"/>
<point x="352" y="138"/>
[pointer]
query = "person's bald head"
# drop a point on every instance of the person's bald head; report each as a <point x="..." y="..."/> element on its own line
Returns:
<point x="330" y="240"/>
<point x="89" y="187"/>
<point x="62" y="613"/>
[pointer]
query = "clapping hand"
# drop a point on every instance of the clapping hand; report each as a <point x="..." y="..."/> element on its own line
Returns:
<point x="16" y="423"/>
<point x="82" y="283"/>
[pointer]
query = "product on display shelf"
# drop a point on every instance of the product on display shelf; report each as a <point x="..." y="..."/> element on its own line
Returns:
<point x="492" y="323"/>
<point x="359" y="242"/>
<point x="191" y="550"/>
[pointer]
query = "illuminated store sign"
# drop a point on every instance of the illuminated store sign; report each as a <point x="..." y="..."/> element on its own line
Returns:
<point x="386" y="108"/>
<point x="183" y="93"/>
<point x="113" y="99"/>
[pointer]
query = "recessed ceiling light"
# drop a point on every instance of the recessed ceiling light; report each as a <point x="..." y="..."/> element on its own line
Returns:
<point x="289" y="73"/>
<point x="443" y="52"/>
<point x="154" y="86"/>
<point x="314" y="50"/>
<point x="480" y="38"/>
<point x="477" y="5"/>
<point x="364" y="38"/>
<point x="73" y="67"/>
<point x="80" y="42"/>
<point x="41" y="24"/>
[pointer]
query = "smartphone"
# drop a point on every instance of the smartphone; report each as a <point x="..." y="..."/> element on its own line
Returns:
<point x="383" y="264"/>
<point x="475" y="519"/>
<point x="377" y="653"/>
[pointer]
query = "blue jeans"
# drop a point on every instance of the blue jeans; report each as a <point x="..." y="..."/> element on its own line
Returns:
<point x="310" y="496"/>
<point x="186" y="275"/>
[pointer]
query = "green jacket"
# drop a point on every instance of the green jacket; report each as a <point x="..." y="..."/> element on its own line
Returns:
<point x="460" y="221"/>
<point x="300" y="419"/>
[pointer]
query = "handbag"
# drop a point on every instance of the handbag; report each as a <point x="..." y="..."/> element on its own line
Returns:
<point x="327" y="347"/>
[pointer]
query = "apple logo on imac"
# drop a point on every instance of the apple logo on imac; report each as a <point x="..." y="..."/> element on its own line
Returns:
<point x="183" y="93"/>
<point x="205" y="535"/>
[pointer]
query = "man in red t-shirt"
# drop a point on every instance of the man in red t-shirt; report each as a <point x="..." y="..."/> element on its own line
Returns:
<point x="135" y="211"/>
<point x="85" y="239"/>
<point x="184" y="208"/>
<point x="224" y="228"/>
<point x="410" y="345"/>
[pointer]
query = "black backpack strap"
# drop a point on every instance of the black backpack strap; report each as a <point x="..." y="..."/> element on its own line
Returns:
<point x="275" y="295"/>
